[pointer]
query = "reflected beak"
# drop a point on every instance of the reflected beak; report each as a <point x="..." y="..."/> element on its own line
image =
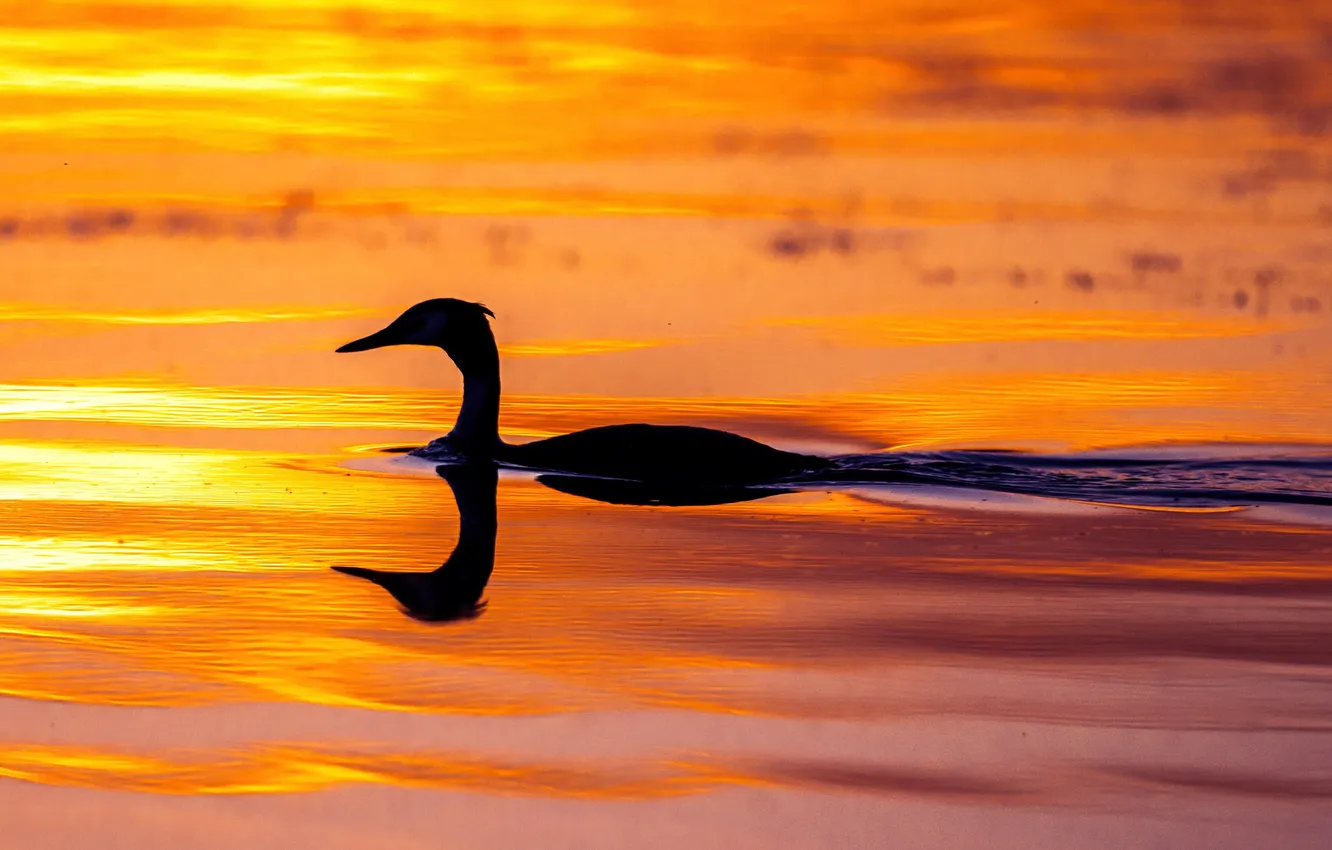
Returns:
<point x="423" y="596"/>
<point x="396" y="583"/>
<point x="378" y="339"/>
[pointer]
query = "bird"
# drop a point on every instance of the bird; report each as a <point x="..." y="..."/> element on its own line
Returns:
<point x="673" y="455"/>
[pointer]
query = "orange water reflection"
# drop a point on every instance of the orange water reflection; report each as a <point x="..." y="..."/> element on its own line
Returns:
<point x="839" y="227"/>
<point x="415" y="76"/>
<point x="177" y="484"/>
<point x="216" y="586"/>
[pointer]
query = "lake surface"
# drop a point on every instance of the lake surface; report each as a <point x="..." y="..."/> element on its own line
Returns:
<point x="1064" y="314"/>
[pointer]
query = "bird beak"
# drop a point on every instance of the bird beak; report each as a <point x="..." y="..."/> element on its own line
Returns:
<point x="378" y="339"/>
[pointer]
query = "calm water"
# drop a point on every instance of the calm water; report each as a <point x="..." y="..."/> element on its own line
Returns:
<point x="1061" y="309"/>
<point x="938" y="641"/>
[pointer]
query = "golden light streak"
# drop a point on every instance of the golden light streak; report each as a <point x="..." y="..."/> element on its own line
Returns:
<point x="579" y="347"/>
<point x="293" y="768"/>
<point x="49" y="605"/>
<point x="141" y="475"/>
<point x="35" y="313"/>
<point x="24" y="554"/>
<point x="292" y="85"/>
<point x="999" y="326"/>
<point x="1087" y="408"/>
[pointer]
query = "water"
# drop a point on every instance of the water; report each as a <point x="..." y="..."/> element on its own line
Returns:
<point x="1027" y="606"/>
<point x="1051" y="285"/>
<point x="1183" y="478"/>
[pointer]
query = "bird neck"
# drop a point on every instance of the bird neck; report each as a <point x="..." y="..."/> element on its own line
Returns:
<point x="476" y="430"/>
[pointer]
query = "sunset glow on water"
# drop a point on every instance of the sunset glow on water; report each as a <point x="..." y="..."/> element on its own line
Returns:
<point x="1052" y="280"/>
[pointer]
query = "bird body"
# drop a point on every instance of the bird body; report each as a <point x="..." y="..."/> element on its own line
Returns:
<point x="661" y="453"/>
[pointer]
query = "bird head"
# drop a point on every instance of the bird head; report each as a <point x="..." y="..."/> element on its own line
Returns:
<point x="436" y="322"/>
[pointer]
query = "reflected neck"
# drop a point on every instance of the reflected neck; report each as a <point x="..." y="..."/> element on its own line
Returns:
<point x="476" y="430"/>
<point x="473" y="488"/>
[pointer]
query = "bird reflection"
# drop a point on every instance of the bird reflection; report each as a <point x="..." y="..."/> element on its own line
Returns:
<point x="453" y="592"/>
